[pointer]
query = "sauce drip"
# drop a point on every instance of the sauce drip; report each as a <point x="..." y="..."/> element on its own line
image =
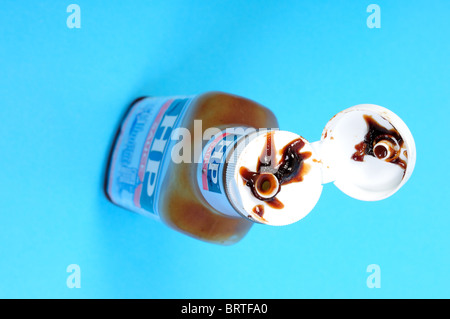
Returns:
<point x="375" y="133"/>
<point x="259" y="210"/>
<point x="290" y="169"/>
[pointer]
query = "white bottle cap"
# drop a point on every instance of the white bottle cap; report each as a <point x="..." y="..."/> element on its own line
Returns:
<point x="297" y="198"/>
<point x="367" y="151"/>
<point x="372" y="178"/>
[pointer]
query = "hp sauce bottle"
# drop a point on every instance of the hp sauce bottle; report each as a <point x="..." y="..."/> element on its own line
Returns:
<point x="212" y="165"/>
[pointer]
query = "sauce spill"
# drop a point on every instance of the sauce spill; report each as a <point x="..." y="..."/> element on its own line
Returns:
<point x="259" y="210"/>
<point x="376" y="133"/>
<point x="290" y="169"/>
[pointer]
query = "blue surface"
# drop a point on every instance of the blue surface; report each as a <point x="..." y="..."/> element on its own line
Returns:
<point x="64" y="90"/>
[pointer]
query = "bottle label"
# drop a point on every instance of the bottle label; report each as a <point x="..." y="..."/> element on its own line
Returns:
<point x="142" y="151"/>
<point x="210" y="171"/>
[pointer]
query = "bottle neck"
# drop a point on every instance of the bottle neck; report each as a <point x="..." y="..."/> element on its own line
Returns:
<point x="218" y="157"/>
<point x="232" y="171"/>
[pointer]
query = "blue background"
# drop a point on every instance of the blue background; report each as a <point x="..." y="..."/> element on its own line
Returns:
<point x="63" y="92"/>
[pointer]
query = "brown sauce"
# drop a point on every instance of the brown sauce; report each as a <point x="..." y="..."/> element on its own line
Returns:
<point x="376" y="133"/>
<point x="259" y="210"/>
<point x="380" y="151"/>
<point x="266" y="185"/>
<point x="290" y="169"/>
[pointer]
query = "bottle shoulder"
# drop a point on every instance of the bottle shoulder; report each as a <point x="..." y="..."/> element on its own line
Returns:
<point x="219" y="109"/>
